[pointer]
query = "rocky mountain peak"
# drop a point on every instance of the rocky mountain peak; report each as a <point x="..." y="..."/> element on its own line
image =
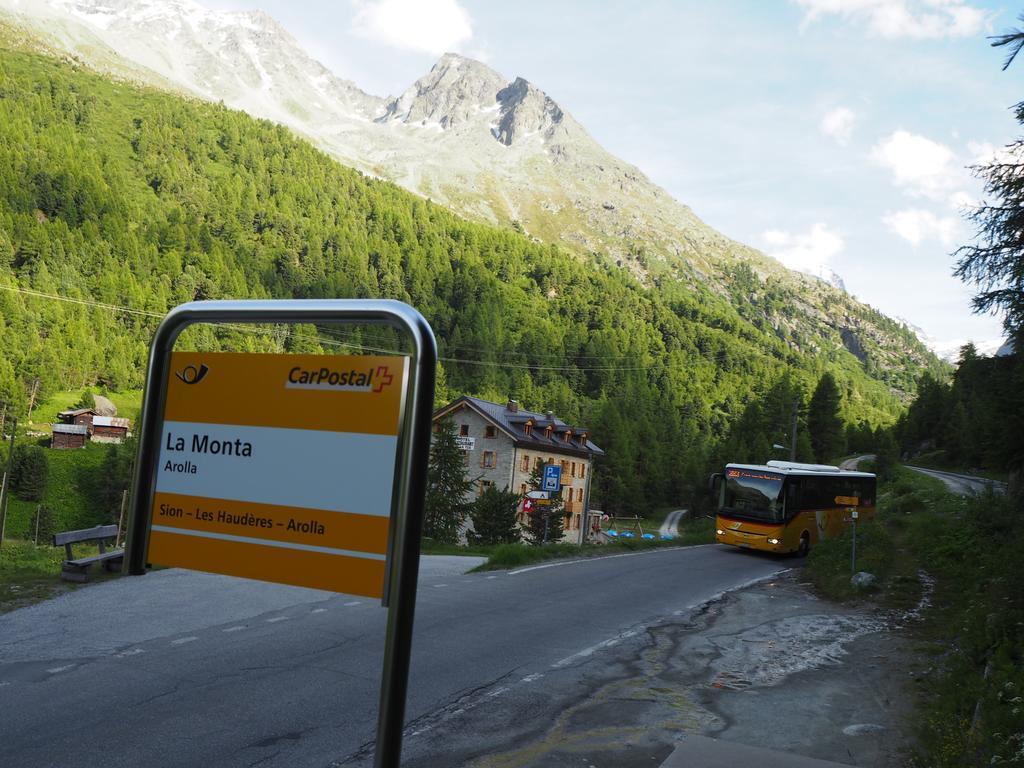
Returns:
<point x="525" y="111"/>
<point x="454" y="91"/>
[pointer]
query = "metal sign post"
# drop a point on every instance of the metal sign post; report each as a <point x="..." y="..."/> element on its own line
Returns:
<point x="203" y="467"/>
<point x="853" y="549"/>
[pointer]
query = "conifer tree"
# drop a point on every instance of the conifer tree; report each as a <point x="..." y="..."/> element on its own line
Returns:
<point x="445" y="505"/>
<point x="546" y="522"/>
<point x="887" y="455"/>
<point x="494" y="517"/>
<point x="29" y="472"/>
<point x="823" y="421"/>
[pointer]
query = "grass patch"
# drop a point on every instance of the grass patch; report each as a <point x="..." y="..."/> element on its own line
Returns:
<point x="885" y="547"/>
<point x="431" y="547"/>
<point x="970" y="645"/>
<point x="71" y="493"/>
<point x="700" y="531"/>
<point x="129" y="405"/>
<point x="29" y="574"/>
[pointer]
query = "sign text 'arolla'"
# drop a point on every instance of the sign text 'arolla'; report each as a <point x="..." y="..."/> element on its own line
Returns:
<point x="279" y="467"/>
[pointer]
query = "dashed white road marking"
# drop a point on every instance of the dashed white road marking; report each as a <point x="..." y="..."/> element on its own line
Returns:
<point x="438" y="586"/>
<point x="560" y="563"/>
<point x="354" y="602"/>
<point x="276" y="619"/>
<point x="237" y="628"/>
<point x="497" y="692"/>
<point x="183" y="640"/>
<point x="129" y="652"/>
<point x="319" y="610"/>
<point x="593" y="649"/>
<point x="491" y="577"/>
<point x="3" y="684"/>
<point x="55" y="670"/>
<point x="532" y="678"/>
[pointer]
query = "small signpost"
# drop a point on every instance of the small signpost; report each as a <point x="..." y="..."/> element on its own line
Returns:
<point x="552" y="478"/>
<point x="299" y="469"/>
<point x="853" y="549"/>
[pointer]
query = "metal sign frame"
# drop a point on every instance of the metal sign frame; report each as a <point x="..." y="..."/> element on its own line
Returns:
<point x="410" y="465"/>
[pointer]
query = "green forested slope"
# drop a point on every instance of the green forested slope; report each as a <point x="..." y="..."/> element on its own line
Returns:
<point x="141" y="199"/>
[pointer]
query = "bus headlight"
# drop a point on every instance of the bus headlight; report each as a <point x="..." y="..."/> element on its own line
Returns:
<point x="773" y="541"/>
<point x="719" y="532"/>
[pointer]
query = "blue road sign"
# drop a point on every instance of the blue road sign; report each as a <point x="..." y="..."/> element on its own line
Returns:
<point x="552" y="477"/>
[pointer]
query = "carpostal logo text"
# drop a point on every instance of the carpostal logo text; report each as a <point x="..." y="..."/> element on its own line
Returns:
<point x="372" y="379"/>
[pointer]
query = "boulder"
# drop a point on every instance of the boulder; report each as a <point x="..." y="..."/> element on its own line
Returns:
<point x="863" y="580"/>
<point x="103" y="406"/>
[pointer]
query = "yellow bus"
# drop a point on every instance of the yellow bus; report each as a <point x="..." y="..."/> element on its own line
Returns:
<point x="784" y="506"/>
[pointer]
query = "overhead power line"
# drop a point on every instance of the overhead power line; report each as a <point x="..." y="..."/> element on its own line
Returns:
<point x="327" y="340"/>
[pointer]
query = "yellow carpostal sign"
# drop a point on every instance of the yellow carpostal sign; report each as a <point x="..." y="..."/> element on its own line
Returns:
<point x="279" y="467"/>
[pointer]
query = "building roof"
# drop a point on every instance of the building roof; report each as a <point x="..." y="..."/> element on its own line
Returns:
<point x="110" y="421"/>
<point x="70" y="414"/>
<point x="513" y="423"/>
<point x="70" y="429"/>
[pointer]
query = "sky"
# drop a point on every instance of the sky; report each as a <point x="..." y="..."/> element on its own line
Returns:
<point x="828" y="133"/>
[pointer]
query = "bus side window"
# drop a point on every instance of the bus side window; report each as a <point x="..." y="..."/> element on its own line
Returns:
<point x="812" y="493"/>
<point x="792" y="497"/>
<point x="866" y="492"/>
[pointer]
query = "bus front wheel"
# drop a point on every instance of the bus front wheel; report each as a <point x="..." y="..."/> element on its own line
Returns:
<point x="805" y="545"/>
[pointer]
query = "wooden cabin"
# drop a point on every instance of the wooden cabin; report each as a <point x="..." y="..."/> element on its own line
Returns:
<point x="109" y="429"/>
<point x="77" y="416"/>
<point x="67" y="436"/>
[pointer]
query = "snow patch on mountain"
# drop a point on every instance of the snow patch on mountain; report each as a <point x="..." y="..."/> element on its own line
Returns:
<point x="949" y="349"/>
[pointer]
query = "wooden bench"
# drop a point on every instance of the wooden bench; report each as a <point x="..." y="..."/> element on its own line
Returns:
<point x="78" y="569"/>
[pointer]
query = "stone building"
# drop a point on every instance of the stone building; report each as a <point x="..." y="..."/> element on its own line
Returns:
<point x="503" y="443"/>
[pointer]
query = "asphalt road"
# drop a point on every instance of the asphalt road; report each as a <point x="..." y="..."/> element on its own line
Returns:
<point x="183" y="669"/>
<point x="965" y="485"/>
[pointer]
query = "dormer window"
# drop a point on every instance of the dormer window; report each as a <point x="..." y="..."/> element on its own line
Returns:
<point x="568" y="435"/>
<point x="528" y="428"/>
<point x="548" y="430"/>
<point x="583" y="438"/>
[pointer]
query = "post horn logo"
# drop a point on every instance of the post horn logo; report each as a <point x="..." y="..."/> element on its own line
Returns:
<point x="192" y="375"/>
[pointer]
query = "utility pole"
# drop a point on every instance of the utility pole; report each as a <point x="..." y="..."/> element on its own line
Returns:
<point x="5" y="492"/>
<point x="792" y="446"/>
<point x="32" y="398"/>
<point x="120" y="520"/>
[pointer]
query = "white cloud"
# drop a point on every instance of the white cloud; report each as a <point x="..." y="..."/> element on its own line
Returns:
<point x="921" y="166"/>
<point x="422" y="26"/>
<point x="808" y="252"/>
<point x="916" y="19"/>
<point x="984" y="153"/>
<point x="839" y="124"/>
<point x="963" y="202"/>
<point x="916" y="225"/>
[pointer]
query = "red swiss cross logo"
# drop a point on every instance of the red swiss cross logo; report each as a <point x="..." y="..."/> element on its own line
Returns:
<point x="384" y="378"/>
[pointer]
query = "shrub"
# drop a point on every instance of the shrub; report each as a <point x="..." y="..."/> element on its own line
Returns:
<point x="494" y="518"/>
<point x="29" y="472"/>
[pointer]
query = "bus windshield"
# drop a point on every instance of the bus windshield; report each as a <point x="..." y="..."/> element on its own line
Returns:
<point x="754" y="494"/>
